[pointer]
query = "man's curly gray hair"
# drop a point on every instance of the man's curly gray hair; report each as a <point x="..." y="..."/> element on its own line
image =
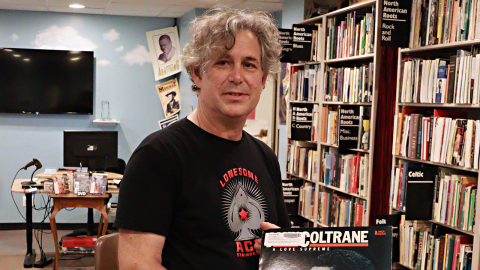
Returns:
<point x="212" y="34"/>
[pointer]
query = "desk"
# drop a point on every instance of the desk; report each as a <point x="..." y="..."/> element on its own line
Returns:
<point x="17" y="188"/>
<point x="61" y="201"/>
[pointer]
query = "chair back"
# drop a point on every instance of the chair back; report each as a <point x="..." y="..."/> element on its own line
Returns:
<point x="106" y="252"/>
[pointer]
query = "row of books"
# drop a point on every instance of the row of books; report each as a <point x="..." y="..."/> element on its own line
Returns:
<point x="349" y="84"/>
<point x="347" y="172"/>
<point x="316" y="42"/>
<point x="79" y="183"/>
<point x="304" y="81"/>
<point x="352" y="36"/>
<point x="454" y="200"/>
<point x="421" y="249"/>
<point x="306" y="205"/>
<point x="439" y="138"/>
<point x="453" y="80"/>
<point x="341" y="211"/>
<point x="443" y="21"/>
<point x="315" y="121"/>
<point x="329" y="125"/>
<point x="302" y="161"/>
<point x="398" y="185"/>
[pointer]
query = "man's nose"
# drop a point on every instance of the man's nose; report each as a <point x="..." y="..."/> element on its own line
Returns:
<point x="236" y="75"/>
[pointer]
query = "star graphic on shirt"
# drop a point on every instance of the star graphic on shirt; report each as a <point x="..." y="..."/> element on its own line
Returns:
<point x="243" y="214"/>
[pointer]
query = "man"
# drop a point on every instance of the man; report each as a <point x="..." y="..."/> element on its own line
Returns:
<point x="167" y="48"/>
<point x="197" y="194"/>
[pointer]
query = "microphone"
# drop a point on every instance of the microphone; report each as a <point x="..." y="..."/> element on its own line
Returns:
<point x="33" y="162"/>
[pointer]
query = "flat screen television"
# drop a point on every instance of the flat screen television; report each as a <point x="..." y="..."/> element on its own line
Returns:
<point x="46" y="81"/>
<point x="92" y="149"/>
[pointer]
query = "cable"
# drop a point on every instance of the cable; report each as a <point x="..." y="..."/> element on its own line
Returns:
<point x="13" y="199"/>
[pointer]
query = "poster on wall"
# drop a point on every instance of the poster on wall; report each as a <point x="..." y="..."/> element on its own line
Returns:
<point x="169" y="96"/>
<point x="164" y="49"/>
<point x="168" y="121"/>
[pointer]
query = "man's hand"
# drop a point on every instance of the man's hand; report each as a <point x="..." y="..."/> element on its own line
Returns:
<point x="265" y="226"/>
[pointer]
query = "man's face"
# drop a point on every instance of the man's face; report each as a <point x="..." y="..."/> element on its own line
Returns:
<point x="165" y="45"/>
<point x="232" y="84"/>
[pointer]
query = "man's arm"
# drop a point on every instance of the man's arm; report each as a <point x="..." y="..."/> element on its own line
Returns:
<point x="140" y="250"/>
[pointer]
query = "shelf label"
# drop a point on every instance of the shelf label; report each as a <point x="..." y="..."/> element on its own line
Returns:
<point x="395" y="23"/>
<point x="286" y="40"/>
<point x="302" y="42"/>
<point x="349" y="126"/>
<point x="301" y="129"/>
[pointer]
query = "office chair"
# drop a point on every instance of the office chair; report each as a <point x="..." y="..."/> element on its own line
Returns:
<point x="106" y="252"/>
<point x="120" y="168"/>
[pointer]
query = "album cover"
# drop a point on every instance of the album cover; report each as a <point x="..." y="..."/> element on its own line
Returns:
<point x="343" y="248"/>
<point x="98" y="183"/>
<point x="61" y="183"/>
<point x="81" y="182"/>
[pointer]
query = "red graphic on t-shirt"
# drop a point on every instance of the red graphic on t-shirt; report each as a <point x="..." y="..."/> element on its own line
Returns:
<point x="244" y="208"/>
<point x="243" y="214"/>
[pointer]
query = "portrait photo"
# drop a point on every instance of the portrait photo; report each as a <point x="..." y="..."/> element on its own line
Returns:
<point x="170" y="97"/>
<point x="164" y="49"/>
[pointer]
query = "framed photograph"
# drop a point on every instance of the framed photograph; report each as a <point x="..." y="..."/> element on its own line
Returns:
<point x="169" y="95"/>
<point x="164" y="49"/>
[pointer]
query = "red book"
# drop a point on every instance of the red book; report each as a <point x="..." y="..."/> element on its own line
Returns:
<point x="459" y="240"/>
<point x="83" y="241"/>
<point x="441" y="253"/>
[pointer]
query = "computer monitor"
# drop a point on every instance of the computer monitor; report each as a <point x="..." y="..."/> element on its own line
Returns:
<point x="92" y="149"/>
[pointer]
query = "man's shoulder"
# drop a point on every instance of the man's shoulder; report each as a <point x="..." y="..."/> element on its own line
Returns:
<point x="260" y="145"/>
<point x="164" y="136"/>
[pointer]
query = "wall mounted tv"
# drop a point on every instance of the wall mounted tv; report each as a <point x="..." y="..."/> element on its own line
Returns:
<point x="46" y="81"/>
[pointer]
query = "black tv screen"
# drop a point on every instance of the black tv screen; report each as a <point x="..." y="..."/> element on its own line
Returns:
<point x="46" y="81"/>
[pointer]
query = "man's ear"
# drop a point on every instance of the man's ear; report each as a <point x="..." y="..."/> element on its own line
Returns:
<point x="196" y="77"/>
<point x="264" y="79"/>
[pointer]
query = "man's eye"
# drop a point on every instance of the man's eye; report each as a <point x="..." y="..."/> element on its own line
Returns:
<point x="222" y="63"/>
<point x="249" y="65"/>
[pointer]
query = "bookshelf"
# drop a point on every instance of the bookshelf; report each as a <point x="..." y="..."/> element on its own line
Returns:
<point x="359" y="61"/>
<point x="453" y="154"/>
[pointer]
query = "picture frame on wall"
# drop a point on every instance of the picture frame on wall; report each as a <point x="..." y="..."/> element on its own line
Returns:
<point x="164" y="47"/>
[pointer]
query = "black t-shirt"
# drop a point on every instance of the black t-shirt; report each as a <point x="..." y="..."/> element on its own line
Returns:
<point x="205" y="194"/>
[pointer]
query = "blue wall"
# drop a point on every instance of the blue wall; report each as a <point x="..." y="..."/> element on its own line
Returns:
<point x="129" y="86"/>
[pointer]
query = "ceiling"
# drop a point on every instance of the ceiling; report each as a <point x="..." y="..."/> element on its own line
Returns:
<point x="145" y="8"/>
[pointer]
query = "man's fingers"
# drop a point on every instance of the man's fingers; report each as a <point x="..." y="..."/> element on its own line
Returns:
<point x="258" y="246"/>
<point x="267" y="226"/>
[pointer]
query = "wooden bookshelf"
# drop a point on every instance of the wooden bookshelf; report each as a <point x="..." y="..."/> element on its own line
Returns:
<point x="351" y="59"/>
<point x="320" y="94"/>
<point x="431" y="52"/>
<point x="343" y="191"/>
<point x="347" y="103"/>
<point x="453" y="45"/>
<point x="439" y="105"/>
<point x="453" y="228"/>
<point x="398" y="210"/>
<point x="437" y="164"/>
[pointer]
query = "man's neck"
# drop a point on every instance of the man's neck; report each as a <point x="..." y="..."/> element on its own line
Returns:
<point x="224" y="128"/>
